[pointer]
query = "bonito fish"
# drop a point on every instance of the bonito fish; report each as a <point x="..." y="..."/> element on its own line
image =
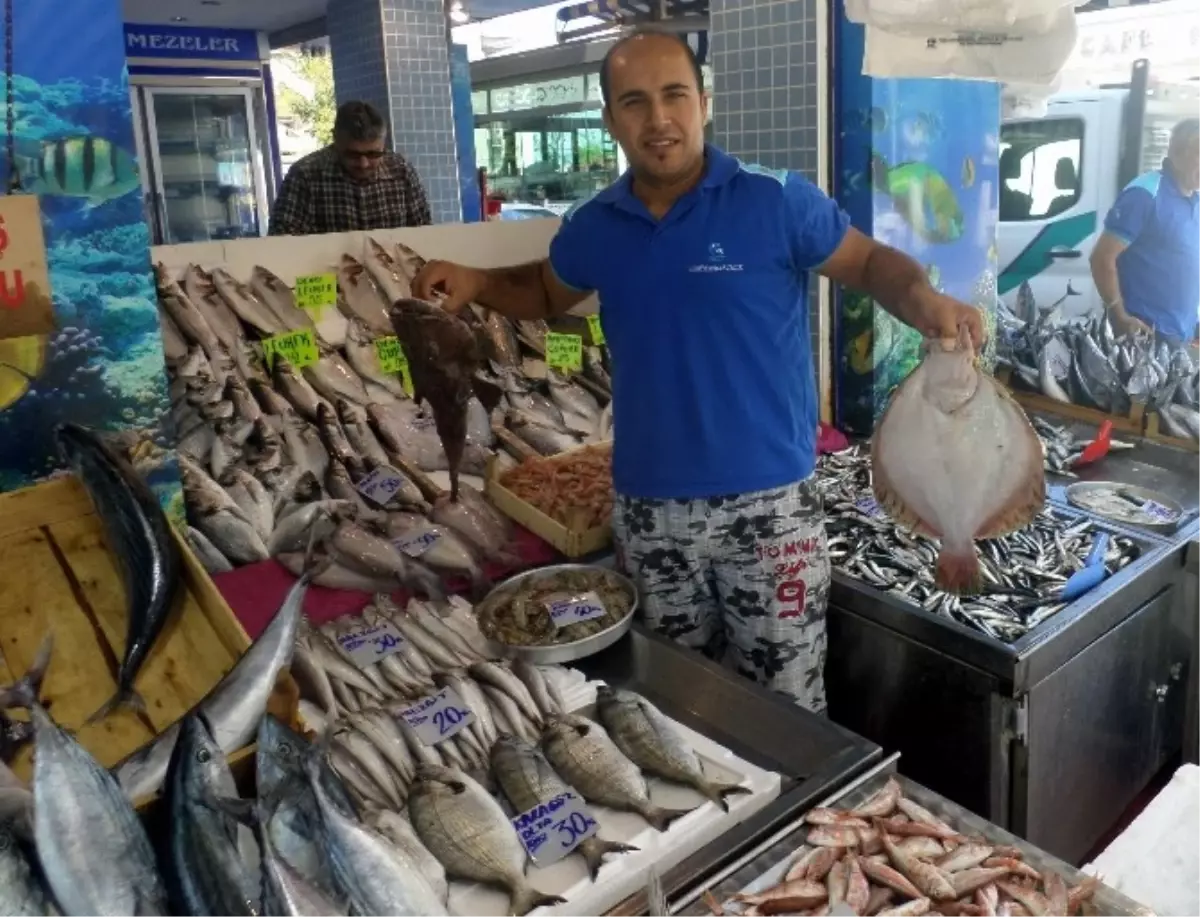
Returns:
<point x="955" y="457"/>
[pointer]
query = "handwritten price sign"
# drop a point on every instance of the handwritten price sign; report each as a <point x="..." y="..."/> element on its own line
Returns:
<point x="439" y="716"/>
<point x="316" y="291"/>
<point x="573" y="609"/>
<point x="369" y="643"/>
<point x="869" y="506"/>
<point x="419" y="543"/>
<point x="380" y="485"/>
<point x="596" y="331"/>
<point x="297" y="347"/>
<point x="564" y="352"/>
<point x="394" y="361"/>
<point x="552" y="829"/>
<point x="1158" y="512"/>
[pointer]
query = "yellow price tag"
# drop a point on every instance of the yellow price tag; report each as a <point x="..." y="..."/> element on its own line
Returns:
<point x="393" y="360"/>
<point x="297" y="347"/>
<point x="564" y="352"/>
<point x="597" y="332"/>
<point x="316" y="291"/>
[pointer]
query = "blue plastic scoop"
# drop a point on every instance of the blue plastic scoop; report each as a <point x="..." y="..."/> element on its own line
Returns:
<point x="1091" y="574"/>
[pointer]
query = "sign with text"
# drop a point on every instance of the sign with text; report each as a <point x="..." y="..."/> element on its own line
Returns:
<point x="380" y="485"/>
<point x="25" y="304"/>
<point x="188" y="43"/>
<point x="594" y="327"/>
<point x="366" y="644"/>
<point x="572" y="609"/>
<point x="1158" y="512"/>
<point x="415" y="544"/>
<point x="552" y="829"/>
<point x="394" y="361"/>
<point x="564" y="352"/>
<point x="316" y="291"/>
<point x="439" y="716"/>
<point x="869" y="506"/>
<point x="297" y="347"/>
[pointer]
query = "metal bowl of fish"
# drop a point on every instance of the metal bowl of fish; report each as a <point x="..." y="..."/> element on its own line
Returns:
<point x="558" y="614"/>
<point x="1128" y="503"/>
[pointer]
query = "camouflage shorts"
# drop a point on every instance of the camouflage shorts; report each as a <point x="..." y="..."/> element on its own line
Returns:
<point x="745" y="579"/>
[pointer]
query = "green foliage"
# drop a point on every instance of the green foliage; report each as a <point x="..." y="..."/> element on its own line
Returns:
<point x="315" y="114"/>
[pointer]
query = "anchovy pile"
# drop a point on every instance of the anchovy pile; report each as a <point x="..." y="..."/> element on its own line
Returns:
<point x="267" y="452"/>
<point x="1024" y="572"/>
<point x="1085" y="363"/>
<point x="1063" y="448"/>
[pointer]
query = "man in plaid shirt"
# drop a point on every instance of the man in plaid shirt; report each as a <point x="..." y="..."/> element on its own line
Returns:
<point x="352" y="184"/>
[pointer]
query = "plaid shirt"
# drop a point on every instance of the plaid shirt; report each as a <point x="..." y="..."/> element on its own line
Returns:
<point x="318" y="197"/>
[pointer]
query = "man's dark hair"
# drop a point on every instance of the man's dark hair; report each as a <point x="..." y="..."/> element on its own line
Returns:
<point x="1183" y="133"/>
<point x="358" y="122"/>
<point x="642" y="33"/>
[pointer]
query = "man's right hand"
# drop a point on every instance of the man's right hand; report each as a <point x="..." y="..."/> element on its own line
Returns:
<point x="457" y="283"/>
<point x="1123" y="322"/>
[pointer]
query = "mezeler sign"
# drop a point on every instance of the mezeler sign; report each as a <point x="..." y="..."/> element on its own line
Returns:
<point x="181" y="43"/>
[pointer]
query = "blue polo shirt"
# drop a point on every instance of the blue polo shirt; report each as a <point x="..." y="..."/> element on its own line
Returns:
<point x="1159" y="269"/>
<point x="706" y="315"/>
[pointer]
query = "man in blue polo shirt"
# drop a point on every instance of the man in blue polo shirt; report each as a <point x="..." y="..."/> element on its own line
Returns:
<point x="1146" y="263"/>
<point x="701" y="266"/>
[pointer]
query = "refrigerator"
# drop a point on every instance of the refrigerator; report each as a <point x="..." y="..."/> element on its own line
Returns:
<point x="204" y="154"/>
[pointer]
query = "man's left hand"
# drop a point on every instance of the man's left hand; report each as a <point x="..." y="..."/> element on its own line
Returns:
<point x="941" y="316"/>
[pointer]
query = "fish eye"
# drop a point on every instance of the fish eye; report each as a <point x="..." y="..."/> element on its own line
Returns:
<point x="285" y="750"/>
<point x="204" y="756"/>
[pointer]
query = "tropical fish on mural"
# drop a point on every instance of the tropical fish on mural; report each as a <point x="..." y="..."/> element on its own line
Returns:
<point x="21" y="360"/>
<point x="85" y="166"/>
<point x="922" y="196"/>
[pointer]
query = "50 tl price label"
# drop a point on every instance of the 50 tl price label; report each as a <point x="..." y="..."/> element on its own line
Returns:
<point x="316" y="291"/>
<point x="394" y="361"/>
<point x="297" y="347"/>
<point x="564" y="352"/>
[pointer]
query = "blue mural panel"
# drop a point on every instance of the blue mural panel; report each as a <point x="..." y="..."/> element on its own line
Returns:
<point x="464" y="133"/>
<point x="104" y="365"/>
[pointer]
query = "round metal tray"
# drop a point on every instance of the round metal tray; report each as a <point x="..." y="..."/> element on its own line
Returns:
<point x="564" y="652"/>
<point x="1086" y="495"/>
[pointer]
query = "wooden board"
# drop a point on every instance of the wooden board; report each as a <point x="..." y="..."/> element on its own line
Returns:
<point x="1154" y="433"/>
<point x="1035" y="401"/>
<point x="58" y="577"/>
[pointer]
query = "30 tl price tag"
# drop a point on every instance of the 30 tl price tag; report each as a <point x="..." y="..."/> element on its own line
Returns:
<point x="297" y="347"/>
<point x="572" y="609"/>
<point x="316" y="291"/>
<point x="552" y="829"/>
<point x="368" y="643"/>
<point x="394" y="361"/>
<point x="418" y="543"/>
<point x="439" y="716"/>
<point x="564" y="352"/>
<point x="869" y="506"/>
<point x="1156" y="510"/>
<point x="380" y="485"/>
<point x="594" y="327"/>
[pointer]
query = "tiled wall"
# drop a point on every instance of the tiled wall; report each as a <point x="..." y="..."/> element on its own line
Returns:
<point x="765" y="88"/>
<point x="394" y="54"/>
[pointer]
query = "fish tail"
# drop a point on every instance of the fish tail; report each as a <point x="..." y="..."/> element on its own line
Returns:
<point x="958" y="570"/>
<point x="718" y="792"/>
<point x="525" y="898"/>
<point x="26" y="691"/>
<point x="125" y="697"/>
<point x="660" y="819"/>
<point x="594" y="849"/>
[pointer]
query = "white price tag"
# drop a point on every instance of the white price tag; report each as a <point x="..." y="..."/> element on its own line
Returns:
<point x="572" y="609"/>
<point x="424" y="423"/>
<point x="368" y="643"/>
<point x="419" y="543"/>
<point x="869" y="506"/>
<point x="380" y="485"/>
<point x="439" y="716"/>
<point x="552" y="829"/>
<point x="1156" y="510"/>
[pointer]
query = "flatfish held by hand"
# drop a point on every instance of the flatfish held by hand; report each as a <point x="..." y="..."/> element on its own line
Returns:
<point x="955" y="457"/>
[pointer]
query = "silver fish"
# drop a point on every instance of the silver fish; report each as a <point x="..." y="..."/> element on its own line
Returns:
<point x="357" y="427"/>
<point x="387" y="273"/>
<point x="546" y="440"/>
<point x="333" y="378"/>
<point x="397" y="829"/>
<point x="206" y="552"/>
<point x="354" y="546"/>
<point x="295" y="388"/>
<point x="361" y="299"/>
<point x="436" y="545"/>
<point x="246" y="305"/>
<point x="364" y="359"/>
<point x="277" y="296"/>
<point x="21" y="891"/>
<point x="200" y="289"/>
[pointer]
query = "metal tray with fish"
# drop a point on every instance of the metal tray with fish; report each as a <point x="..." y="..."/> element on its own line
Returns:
<point x="1127" y="503"/>
<point x="524" y="615"/>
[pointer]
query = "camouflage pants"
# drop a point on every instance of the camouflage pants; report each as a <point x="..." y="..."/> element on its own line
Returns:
<point x="745" y="579"/>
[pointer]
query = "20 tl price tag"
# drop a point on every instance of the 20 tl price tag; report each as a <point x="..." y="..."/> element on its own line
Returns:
<point x="316" y="291"/>
<point x="552" y="829"/>
<point x="594" y="327"/>
<point x="380" y="485"/>
<point x="418" y="544"/>
<point x="564" y="352"/>
<point x="394" y="361"/>
<point x="369" y="643"/>
<point x="297" y="347"/>
<point x="572" y="609"/>
<point x="439" y="716"/>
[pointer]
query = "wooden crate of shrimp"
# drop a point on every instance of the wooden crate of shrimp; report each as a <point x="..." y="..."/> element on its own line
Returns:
<point x="566" y="499"/>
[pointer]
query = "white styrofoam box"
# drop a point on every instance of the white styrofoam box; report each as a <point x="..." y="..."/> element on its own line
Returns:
<point x="624" y="874"/>
<point x="917" y="17"/>
<point x="1156" y="860"/>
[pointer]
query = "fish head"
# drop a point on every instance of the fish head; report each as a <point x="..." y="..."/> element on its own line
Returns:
<point x="950" y="374"/>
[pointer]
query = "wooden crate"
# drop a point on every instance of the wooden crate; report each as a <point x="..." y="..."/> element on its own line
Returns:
<point x="1154" y="434"/>
<point x="570" y="542"/>
<point x="1035" y="401"/>
<point x="57" y="575"/>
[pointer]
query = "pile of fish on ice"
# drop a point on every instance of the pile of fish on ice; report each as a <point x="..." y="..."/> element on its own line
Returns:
<point x="1085" y="363"/>
<point x="266" y="452"/>
<point x="369" y="819"/>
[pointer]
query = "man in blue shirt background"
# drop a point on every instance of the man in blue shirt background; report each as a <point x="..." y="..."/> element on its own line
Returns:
<point x="701" y="265"/>
<point x="1146" y="264"/>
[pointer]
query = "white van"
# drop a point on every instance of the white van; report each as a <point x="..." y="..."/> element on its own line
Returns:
<point x="1060" y="174"/>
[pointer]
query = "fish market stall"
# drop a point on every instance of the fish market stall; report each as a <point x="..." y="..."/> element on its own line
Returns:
<point x="1000" y="700"/>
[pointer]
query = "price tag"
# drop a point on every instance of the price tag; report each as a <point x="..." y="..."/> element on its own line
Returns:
<point x="381" y="485"/>
<point x="869" y="506"/>
<point x="423" y="422"/>
<point x="394" y="361"/>
<point x="572" y="609"/>
<point x="594" y="327"/>
<point x="368" y="643"/>
<point x="1157" y="511"/>
<point x="316" y="291"/>
<point x="439" y="716"/>
<point x="418" y="544"/>
<point x="552" y="829"/>
<point x="297" y="347"/>
<point x="564" y="352"/>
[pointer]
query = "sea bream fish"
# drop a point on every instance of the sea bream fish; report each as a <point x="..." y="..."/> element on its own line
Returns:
<point x="955" y="457"/>
<point x="140" y="538"/>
